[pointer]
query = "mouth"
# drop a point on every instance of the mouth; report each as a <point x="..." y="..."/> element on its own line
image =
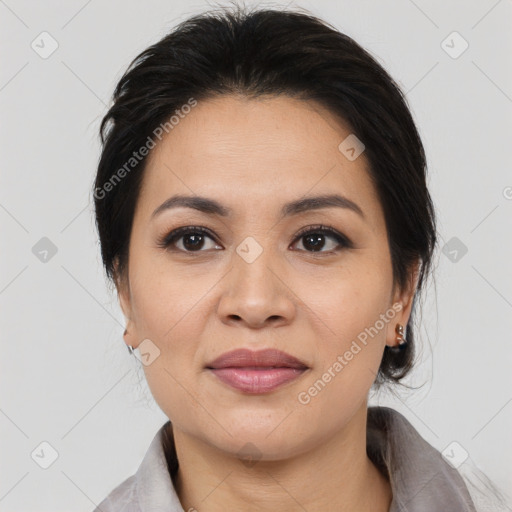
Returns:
<point x="256" y="372"/>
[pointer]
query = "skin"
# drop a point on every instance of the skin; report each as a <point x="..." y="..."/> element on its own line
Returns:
<point x="253" y="156"/>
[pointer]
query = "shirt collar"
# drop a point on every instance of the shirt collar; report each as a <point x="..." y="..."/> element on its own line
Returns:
<point x="421" y="479"/>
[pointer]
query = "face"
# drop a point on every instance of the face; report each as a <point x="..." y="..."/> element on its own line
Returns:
<point x="259" y="277"/>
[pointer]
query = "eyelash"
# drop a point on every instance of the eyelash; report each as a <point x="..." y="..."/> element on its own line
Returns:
<point x="176" y="234"/>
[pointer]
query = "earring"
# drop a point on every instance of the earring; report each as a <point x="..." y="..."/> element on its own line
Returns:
<point x="130" y="348"/>
<point x="400" y="338"/>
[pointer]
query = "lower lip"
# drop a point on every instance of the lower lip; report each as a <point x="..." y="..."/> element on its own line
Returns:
<point x="257" y="381"/>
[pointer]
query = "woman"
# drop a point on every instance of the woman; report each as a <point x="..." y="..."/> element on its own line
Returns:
<point x="262" y="208"/>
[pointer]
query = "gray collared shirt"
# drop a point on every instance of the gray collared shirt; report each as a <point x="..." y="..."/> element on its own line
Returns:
<point x="421" y="479"/>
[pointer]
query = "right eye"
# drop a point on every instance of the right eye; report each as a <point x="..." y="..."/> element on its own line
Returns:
<point x="192" y="238"/>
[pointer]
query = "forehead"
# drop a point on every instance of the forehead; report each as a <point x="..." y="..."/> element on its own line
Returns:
<point x="250" y="153"/>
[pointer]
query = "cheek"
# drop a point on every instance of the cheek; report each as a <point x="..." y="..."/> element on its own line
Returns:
<point x="351" y="301"/>
<point x="171" y="312"/>
<point x="349" y="356"/>
<point x="351" y="334"/>
<point x="165" y="298"/>
<point x="172" y="377"/>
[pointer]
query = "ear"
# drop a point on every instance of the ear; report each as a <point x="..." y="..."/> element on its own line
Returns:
<point x="123" y="293"/>
<point x="402" y="303"/>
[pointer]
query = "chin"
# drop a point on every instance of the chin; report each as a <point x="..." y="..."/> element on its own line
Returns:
<point x="262" y="448"/>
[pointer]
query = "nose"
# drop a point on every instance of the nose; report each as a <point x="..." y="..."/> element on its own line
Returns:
<point x="256" y="293"/>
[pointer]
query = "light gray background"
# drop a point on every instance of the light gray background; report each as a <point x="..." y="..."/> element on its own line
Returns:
<point x="66" y="376"/>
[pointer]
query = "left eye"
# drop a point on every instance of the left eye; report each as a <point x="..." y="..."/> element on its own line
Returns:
<point x="315" y="238"/>
<point x="193" y="239"/>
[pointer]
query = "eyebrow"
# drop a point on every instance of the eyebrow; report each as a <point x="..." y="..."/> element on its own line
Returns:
<point x="213" y="207"/>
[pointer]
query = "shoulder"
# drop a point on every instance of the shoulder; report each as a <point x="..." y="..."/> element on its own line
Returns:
<point x="420" y="478"/>
<point x="485" y="494"/>
<point x="420" y="475"/>
<point x="151" y="487"/>
<point x="122" y="498"/>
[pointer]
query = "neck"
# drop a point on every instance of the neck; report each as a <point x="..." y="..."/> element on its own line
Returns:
<point x="337" y="475"/>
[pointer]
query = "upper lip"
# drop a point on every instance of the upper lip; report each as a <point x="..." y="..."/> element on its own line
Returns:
<point x="244" y="357"/>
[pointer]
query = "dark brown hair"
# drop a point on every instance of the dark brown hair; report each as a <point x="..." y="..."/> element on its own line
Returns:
<point x="271" y="52"/>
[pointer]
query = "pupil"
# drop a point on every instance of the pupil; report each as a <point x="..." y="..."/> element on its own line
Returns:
<point x="194" y="245"/>
<point x="317" y="241"/>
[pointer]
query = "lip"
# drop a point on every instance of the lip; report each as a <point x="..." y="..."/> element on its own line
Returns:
<point x="243" y="357"/>
<point x="256" y="372"/>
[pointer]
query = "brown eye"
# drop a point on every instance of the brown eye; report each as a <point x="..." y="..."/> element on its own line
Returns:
<point x="193" y="239"/>
<point x="314" y="239"/>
